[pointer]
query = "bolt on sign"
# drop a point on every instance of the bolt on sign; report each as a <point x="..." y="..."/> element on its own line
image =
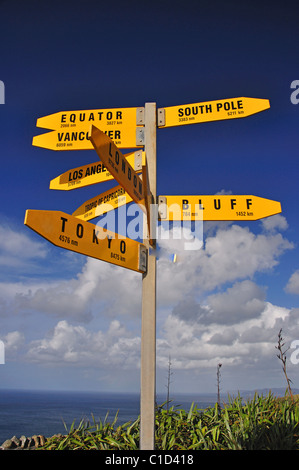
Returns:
<point x="222" y="207"/>
<point x="117" y="164"/>
<point x="210" y="111"/>
<point x="93" y="173"/>
<point x="70" y="129"/>
<point x="66" y="231"/>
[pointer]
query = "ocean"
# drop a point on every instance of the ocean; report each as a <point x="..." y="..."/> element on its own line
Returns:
<point x="24" y="412"/>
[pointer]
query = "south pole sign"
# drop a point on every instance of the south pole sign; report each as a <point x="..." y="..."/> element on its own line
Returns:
<point x="107" y="131"/>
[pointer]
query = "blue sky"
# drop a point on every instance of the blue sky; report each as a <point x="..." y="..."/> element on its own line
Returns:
<point x="69" y="322"/>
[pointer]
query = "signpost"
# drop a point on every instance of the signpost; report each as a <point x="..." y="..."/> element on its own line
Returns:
<point x="148" y="318"/>
<point x="210" y="111"/>
<point x="66" y="231"/>
<point x="111" y="130"/>
<point x="217" y="207"/>
<point x="117" y="164"/>
<point x="93" y="173"/>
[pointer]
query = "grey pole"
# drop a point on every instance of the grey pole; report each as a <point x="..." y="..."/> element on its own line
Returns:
<point x="148" y="327"/>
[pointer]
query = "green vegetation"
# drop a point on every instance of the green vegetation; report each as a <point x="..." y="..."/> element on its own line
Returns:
<point x="261" y="423"/>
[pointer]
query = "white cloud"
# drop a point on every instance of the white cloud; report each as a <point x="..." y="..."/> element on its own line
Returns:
<point x="204" y="345"/>
<point x="13" y="343"/>
<point x="209" y="308"/>
<point x="237" y="253"/>
<point x="76" y="345"/>
<point x="275" y="222"/>
<point x="17" y="249"/>
<point x="293" y="283"/>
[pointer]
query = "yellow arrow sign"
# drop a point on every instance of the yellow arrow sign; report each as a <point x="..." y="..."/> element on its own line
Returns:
<point x="70" y="139"/>
<point x="117" y="164"/>
<point x="222" y="207"/>
<point x="104" y="118"/>
<point x="72" y="128"/>
<point x="231" y="108"/>
<point x="105" y="202"/>
<point x="66" y="231"/>
<point x="93" y="173"/>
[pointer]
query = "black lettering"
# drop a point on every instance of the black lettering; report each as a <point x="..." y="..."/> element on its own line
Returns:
<point x="217" y="205"/>
<point x="73" y="117"/>
<point x="117" y="135"/>
<point x="123" y="165"/>
<point x="110" y="154"/>
<point x="122" y="246"/>
<point x="240" y="104"/>
<point x="63" y="117"/>
<point x="200" y="204"/>
<point x="79" y="230"/>
<point x="94" y="237"/>
<point x="181" y="112"/>
<point x="185" y="204"/>
<point x="82" y="117"/>
<point x="109" y="115"/>
<point x="233" y="202"/>
<point x="249" y="203"/>
<point x="109" y="241"/>
<point x="91" y="117"/>
<point x="64" y="220"/>
<point x="116" y="157"/>
<point x="118" y="114"/>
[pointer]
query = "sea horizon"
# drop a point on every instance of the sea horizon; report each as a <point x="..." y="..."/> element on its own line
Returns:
<point x="48" y="412"/>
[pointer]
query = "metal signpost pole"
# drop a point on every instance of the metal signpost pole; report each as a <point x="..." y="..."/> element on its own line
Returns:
<point x="148" y="328"/>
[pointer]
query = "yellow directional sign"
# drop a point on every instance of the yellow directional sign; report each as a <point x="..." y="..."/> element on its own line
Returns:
<point x="105" y="202"/>
<point x="117" y="164"/>
<point x="103" y="118"/>
<point x="231" y="108"/>
<point x="222" y="207"/>
<point x="69" y="139"/>
<point x="93" y="173"/>
<point x="66" y="231"/>
<point x="72" y="128"/>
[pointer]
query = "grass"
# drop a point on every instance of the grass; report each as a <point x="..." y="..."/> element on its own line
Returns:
<point x="261" y="423"/>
